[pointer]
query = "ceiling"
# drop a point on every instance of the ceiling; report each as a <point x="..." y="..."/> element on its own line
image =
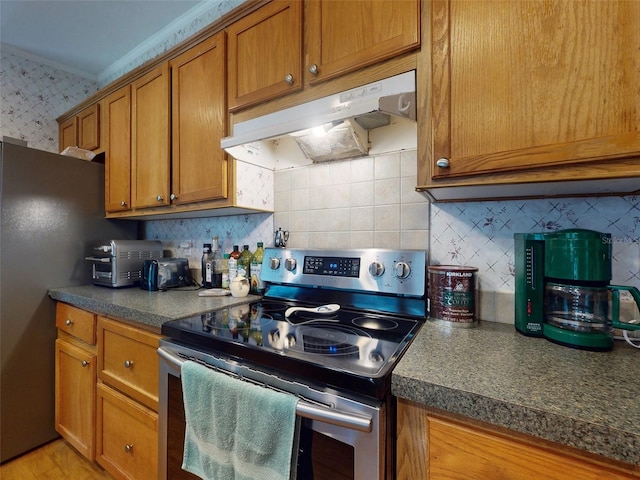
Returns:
<point x="86" y="36"/>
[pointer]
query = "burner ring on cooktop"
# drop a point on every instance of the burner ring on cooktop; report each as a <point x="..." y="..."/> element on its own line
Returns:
<point x="271" y="306"/>
<point x="375" y="323"/>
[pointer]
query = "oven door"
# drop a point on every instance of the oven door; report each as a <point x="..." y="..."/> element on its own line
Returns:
<point x="339" y="438"/>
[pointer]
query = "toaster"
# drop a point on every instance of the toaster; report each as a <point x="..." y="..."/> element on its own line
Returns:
<point x="165" y="273"/>
<point x="119" y="263"/>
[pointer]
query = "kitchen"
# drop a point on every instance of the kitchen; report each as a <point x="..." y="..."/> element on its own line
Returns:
<point x="478" y="233"/>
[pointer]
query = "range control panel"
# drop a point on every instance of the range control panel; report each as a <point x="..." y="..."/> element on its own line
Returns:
<point x="399" y="272"/>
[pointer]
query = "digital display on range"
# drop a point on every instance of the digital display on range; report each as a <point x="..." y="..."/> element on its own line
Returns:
<point x="332" y="266"/>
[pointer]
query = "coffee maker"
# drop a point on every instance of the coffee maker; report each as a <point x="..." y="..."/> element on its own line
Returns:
<point x="563" y="290"/>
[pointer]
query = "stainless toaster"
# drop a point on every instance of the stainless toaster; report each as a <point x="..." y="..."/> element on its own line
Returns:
<point x="119" y="263"/>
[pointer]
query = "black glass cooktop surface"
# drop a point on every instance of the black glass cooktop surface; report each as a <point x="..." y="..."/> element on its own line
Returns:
<point x="345" y="348"/>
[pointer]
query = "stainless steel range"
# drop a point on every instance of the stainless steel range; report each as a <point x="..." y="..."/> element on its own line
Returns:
<point x="330" y="328"/>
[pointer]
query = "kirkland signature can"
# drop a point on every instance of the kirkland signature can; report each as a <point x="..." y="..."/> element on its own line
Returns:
<point x="452" y="295"/>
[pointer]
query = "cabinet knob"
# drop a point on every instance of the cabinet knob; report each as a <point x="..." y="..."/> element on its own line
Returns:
<point x="159" y="198"/>
<point x="128" y="448"/>
<point x="443" y="162"/>
<point x="313" y="69"/>
<point x="128" y="363"/>
<point x="173" y="196"/>
<point x="123" y="203"/>
<point x="68" y="322"/>
<point x="85" y="363"/>
<point x="289" y="79"/>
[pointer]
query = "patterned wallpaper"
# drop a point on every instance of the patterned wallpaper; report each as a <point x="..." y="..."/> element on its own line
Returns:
<point x="33" y="95"/>
<point x="481" y="234"/>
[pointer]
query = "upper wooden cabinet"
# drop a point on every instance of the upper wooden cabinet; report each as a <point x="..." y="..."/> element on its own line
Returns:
<point x="82" y="130"/>
<point x="342" y="36"/>
<point x="531" y="92"/>
<point x="116" y="122"/>
<point x="199" y="119"/>
<point x="150" y="138"/>
<point x="265" y="54"/>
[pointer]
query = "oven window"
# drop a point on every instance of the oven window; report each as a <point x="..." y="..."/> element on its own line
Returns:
<point x="321" y="457"/>
<point x="330" y="459"/>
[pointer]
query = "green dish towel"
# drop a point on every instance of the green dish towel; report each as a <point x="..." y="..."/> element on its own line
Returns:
<point x="236" y="430"/>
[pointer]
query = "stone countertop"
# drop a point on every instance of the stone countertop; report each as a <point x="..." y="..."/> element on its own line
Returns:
<point x="587" y="400"/>
<point x="146" y="309"/>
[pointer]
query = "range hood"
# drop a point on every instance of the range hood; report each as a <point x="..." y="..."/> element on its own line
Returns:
<point x="330" y="128"/>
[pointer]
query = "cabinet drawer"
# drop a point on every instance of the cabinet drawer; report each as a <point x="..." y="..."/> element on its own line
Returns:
<point x="128" y="360"/>
<point x="127" y="443"/>
<point x="74" y="321"/>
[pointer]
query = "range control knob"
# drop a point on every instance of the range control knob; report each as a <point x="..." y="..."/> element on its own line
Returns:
<point x="274" y="263"/>
<point x="376" y="269"/>
<point x="402" y="269"/>
<point x="290" y="264"/>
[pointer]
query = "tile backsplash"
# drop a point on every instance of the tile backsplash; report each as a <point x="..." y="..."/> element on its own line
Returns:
<point x="480" y="234"/>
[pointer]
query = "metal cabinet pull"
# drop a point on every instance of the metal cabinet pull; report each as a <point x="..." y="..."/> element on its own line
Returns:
<point x="85" y="363"/>
<point x="128" y="448"/>
<point x="313" y="69"/>
<point x="128" y="363"/>
<point x="159" y="198"/>
<point x="173" y="196"/>
<point x="443" y="163"/>
<point x="123" y="203"/>
<point x="289" y="79"/>
<point x="68" y="322"/>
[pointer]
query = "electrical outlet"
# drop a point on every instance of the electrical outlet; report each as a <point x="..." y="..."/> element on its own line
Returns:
<point x="185" y="247"/>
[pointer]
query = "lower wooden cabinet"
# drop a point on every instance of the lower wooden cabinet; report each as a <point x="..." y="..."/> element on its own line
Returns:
<point x="75" y="409"/>
<point x="434" y="446"/>
<point x="107" y="391"/>
<point x="127" y="443"/>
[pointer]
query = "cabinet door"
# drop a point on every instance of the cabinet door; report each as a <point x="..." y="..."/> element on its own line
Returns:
<point x="265" y="54"/>
<point x="127" y="436"/>
<point x="68" y="134"/>
<point x="522" y="85"/>
<point x="344" y="35"/>
<point x="89" y="128"/>
<point x="199" y="118"/>
<point x="430" y="447"/>
<point x="75" y="392"/>
<point x="116" y="111"/>
<point x="150" y="139"/>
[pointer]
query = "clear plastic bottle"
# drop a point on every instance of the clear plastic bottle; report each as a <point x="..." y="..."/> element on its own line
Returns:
<point x="207" y="270"/>
<point x="244" y="262"/>
<point x="225" y="271"/>
<point x="257" y="286"/>
<point x="216" y="260"/>
<point x="233" y="263"/>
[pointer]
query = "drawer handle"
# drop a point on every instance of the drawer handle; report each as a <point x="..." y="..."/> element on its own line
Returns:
<point x="128" y="363"/>
<point x="289" y="79"/>
<point x="85" y="363"/>
<point x="68" y="322"/>
<point x="128" y="448"/>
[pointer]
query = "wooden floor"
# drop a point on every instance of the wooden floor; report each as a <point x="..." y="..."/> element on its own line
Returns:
<point x="55" y="460"/>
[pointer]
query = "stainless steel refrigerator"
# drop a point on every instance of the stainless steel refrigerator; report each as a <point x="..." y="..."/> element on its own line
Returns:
<point x="52" y="211"/>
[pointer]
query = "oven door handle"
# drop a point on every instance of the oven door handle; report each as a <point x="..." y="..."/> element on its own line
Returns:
<point x="340" y="418"/>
